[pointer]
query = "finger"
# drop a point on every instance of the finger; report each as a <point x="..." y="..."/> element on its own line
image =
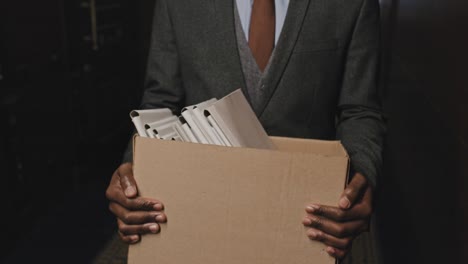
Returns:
<point x="353" y="191"/>
<point x="129" y="230"/>
<point x="142" y="204"/>
<point x="339" y="230"/>
<point x="136" y="204"/>
<point x="136" y="217"/>
<point x="127" y="181"/>
<point x="361" y="210"/>
<point x="114" y="186"/>
<point x="317" y="235"/>
<point x="129" y="239"/>
<point x="336" y="252"/>
<point x="116" y="194"/>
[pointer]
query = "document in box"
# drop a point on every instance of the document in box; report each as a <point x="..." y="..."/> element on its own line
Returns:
<point x="153" y="127"/>
<point x="197" y="123"/>
<point x="142" y="117"/>
<point x="236" y="119"/>
<point x="227" y="122"/>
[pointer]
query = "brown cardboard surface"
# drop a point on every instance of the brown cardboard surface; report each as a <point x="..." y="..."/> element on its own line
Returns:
<point x="236" y="205"/>
<point x="312" y="146"/>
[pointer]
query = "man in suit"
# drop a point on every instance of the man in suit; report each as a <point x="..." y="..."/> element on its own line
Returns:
<point x="309" y="69"/>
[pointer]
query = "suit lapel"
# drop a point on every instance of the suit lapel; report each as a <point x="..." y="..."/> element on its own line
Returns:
<point x="292" y="26"/>
<point x="226" y="45"/>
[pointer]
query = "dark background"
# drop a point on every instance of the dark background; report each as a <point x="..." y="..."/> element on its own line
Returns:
<point x="65" y="96"/>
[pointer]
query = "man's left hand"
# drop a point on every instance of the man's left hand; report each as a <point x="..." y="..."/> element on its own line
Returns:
<point x="336" y="227"/>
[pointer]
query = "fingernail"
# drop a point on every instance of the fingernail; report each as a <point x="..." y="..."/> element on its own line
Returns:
<point x="344" y="203"/>
<point x="160" y="218"/>
<point x="154" y="228"/>
<point x="158" y="207"/>
<point x="331" y="250"/>
<point x="312" y="235"/>
<point x="312" y="208"/>
<point x="134" y="238"/>
<point x="130" y="191"/>
<point x="307" y="221"/>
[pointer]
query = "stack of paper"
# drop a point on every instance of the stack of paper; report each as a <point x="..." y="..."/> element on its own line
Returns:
<point x="229" y="121"/>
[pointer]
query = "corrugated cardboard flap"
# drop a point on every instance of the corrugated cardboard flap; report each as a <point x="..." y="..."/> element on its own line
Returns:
<point x="313" y="146"/>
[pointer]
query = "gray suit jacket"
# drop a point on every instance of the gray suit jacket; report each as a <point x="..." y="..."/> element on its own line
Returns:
<point x="322" y="82"/>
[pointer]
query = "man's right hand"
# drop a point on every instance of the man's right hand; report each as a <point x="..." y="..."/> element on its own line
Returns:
<point x="135" y="215"/>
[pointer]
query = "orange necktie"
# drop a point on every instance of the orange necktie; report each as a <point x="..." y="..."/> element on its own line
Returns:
<point x="262" y="31"/>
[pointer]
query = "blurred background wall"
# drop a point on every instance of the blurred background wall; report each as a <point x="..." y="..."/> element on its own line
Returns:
<point x="70" y="71"/>
<point x="425" y="86"/>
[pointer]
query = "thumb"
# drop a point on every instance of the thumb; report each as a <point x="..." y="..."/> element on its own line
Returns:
<point x="127" y="181"/>
<point x="353" y="191"/>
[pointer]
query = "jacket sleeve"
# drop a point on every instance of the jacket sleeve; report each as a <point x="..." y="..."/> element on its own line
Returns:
<point x="360" y="122"/>
<point x="163" y="85"/>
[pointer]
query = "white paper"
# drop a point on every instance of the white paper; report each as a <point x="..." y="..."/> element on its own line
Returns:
<point x="142" y="117"/>
<point x="238" y="122"/>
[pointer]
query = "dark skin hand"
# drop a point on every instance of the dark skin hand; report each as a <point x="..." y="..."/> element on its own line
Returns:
<point x="135" y="215"/>
<point x="336" y="227"/>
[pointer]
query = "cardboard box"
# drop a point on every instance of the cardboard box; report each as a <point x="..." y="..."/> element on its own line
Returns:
<point x="236" y="205"/>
